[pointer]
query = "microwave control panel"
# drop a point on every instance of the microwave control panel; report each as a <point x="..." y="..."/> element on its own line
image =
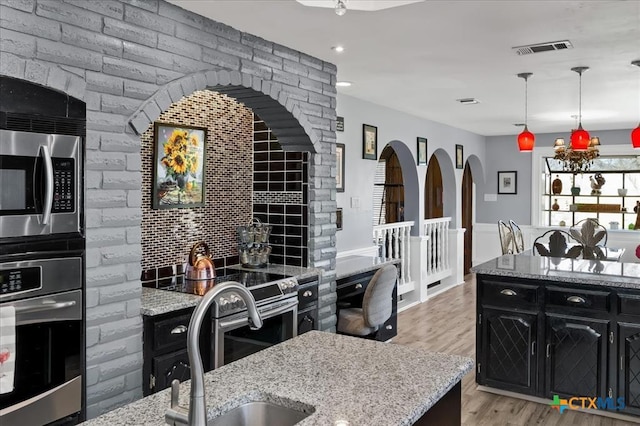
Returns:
<point x="63" y="185"/>
<point x="19" y="279"/>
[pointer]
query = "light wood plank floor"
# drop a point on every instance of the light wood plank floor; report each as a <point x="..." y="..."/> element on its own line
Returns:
<point x="446" y="323"/>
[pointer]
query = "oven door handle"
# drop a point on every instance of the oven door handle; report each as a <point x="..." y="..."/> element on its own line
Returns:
<point x="239" y="322"/>
<point x="279" y="310"/>
<point x="46" y="305"/>
<point x="48" y="185"/>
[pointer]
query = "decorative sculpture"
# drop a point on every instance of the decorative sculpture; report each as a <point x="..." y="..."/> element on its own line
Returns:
<point x="597" y="181"/>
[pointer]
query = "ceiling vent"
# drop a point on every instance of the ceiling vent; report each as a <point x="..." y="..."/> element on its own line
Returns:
<point x="468" y="101"/>
<point x="543" y="47"/>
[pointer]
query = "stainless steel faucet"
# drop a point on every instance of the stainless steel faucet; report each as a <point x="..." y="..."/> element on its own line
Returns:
<point x="196" y="415"/>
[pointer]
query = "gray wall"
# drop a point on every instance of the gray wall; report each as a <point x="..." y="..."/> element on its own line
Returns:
<point x="129" y="60"/>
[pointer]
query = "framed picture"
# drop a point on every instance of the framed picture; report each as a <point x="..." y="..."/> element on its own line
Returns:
<point x="339" y="219"/>
<point x="178" y="175"/>
<point x="340" y="166"/>
<point x="369" y="142"/>
<point x="422" y="151"/>
<point x="459" y="157"/>
<point x="507" y="182"/>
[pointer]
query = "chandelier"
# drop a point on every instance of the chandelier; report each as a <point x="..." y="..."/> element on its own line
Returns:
<point x="583" y="149"/>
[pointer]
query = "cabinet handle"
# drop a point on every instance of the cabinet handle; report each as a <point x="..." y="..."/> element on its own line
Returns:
<point x="508" y="292"/>
<point x="548" y="350"/>
<point x="179" y="329"/>
<point x="576" y="299"/>
<point x="533" y="348"/>
<point x="307" y="293"/>
<point x="389" y="327"/>
<point x="358" y="286"/>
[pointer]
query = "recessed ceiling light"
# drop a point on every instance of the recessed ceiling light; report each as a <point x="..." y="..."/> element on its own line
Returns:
<point x="338" y="49"/>
<point x="468" y="101"/>
<point x="518" y="124"/>
<point x="343" y="83"/>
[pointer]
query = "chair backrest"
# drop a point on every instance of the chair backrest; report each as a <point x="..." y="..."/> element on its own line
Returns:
<point x="556" y="243"/>
<point x="377" y="300"/>
<point x="506" y="237"/>
<point x="518" y="239"/>
<point x="589" y="233"/>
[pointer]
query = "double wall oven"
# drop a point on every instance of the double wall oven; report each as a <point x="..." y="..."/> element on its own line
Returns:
<point x="42" y="252"/>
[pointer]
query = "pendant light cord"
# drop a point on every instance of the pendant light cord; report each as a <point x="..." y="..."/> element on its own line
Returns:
<point x="580" y="101"/>
<point x="526" y="100"/>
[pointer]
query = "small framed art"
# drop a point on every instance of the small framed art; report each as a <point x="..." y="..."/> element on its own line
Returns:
<point x="340" y="167"/>
<point x="459" y="157"/>
<point x="508" y="182"/>
<point x="369" y="142"/>
<point x="422" y="151"/>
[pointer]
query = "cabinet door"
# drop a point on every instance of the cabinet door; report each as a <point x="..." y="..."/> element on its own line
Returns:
<point x="576" y="356"/>
<point x="508" y="358"/>
<point x="168" y="367"/>
<point x="629" y="367"/>
<point x="307" y="320"/>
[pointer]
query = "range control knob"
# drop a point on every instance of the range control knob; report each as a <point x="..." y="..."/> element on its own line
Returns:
<point x="224" y="303"/>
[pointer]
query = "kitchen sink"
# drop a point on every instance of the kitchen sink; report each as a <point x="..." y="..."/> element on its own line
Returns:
<point x="260" y="413"/>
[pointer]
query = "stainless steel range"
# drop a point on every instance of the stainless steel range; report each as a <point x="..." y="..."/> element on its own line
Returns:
<point x="277" y="300"/>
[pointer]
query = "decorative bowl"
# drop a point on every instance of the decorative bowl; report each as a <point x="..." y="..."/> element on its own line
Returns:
<point x="622" y="192"/>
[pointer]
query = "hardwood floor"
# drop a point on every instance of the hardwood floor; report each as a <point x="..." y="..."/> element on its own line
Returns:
<point x="446" y="323"/>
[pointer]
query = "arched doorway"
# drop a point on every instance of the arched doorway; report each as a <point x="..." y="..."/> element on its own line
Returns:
<point x="467" y="216"/>
<point x="388" y="189"/>
<point x="433" y="190"/>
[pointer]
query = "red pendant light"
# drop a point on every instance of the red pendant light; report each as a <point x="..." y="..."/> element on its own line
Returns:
<point x="580" y="138"/>
<point x="635" y="133"/>
<point x="526" y="139"/>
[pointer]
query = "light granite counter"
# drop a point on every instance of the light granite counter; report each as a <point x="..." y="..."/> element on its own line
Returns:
<point x="353" y="265"/>
<point x="592" y="272"/>
<point x="337" y="377"/>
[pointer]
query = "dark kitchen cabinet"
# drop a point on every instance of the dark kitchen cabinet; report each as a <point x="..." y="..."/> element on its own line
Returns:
<point x="307" y="305"/>
<point x="165" y="349"/>
<point x="509" y="346"/>
<point x="576" y="356"/>
<point x="628" y="366"/>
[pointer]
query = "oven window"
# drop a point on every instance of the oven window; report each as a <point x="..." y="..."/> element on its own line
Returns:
<point x="13" y="194"/>
<point x="48" y="355"/>
<point x="243" y="341"/>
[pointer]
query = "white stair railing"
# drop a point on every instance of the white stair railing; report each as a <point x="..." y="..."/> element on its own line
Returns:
<point x="437" y="261"/>
<point x="392" y="240"/>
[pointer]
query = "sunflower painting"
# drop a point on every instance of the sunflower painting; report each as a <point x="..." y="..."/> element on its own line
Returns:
<point x="179" y="166"/>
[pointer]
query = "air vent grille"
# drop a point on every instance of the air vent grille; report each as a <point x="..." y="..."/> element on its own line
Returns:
<point x="40" y="124"/>
<point x="543" y="47"/>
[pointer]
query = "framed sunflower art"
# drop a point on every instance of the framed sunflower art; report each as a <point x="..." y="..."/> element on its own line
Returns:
<point x="178" y="178"/>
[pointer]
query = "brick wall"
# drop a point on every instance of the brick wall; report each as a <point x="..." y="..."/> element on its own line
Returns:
<point x="129" y="60"/>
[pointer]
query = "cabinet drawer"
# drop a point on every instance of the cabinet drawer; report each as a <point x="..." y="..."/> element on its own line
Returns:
<point x="354" y="285"/>
<point x="508" y="294"/>
<point x="629" y="304"/>
<point x="171" y="332"/>
<point x="562" y="297"/>
<point x="307" y="320"/>
<point x="307" y="295"/>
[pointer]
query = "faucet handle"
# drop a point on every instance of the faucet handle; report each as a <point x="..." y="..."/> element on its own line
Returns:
<point x="175" y="393"/>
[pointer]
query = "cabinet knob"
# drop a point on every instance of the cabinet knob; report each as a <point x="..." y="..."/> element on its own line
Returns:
<point x="389" y="327"/>
<point x="508" y="292"/>
<point x="179" y="329"/>
<point x="358" y="286"/>
<point x="307" y="293"/>
<point x="576" y="299"/>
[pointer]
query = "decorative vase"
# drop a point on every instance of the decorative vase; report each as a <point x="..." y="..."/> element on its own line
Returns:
<point x="636" y="207"/>
<point x="556" y="186"/>
<point x="555" y="206"/>
<point x="575" y="190"/>
<point x="182" y="180"/>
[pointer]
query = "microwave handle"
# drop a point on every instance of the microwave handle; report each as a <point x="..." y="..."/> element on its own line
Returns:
<point x="48" y="189"/>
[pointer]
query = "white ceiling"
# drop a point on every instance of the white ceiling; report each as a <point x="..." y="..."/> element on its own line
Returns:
<point x="421" y="57"/>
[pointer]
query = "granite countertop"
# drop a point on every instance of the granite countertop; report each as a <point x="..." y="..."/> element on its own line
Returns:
<point x="343" y="378"/>
<point x="352" y="265"/>
<point x="579" y="271"/>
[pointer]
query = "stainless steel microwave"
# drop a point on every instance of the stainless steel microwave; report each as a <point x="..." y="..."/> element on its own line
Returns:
<point x="40" y="184"/>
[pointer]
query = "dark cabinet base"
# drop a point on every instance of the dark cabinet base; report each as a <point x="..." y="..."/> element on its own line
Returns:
<point x="446" y="412"/>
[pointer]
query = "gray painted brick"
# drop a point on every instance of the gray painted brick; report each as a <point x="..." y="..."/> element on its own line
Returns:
<point x="105" y="313"/>
<point x="92" y="296"/>
<point x="93" y="261"/>
<point x="188" y="85"/>
<point x="257" y="42"/>
<point x="134" y="199"/>
<point x="311" y="85"/>
<point x="287" y="53"/>
<point x="119" y="292"/>
<point x="138" y="89"/>
<point x="113" y="9"/>
<point x="134" y="381"/>
<point x="260" y="71"/>
<point x="108" y="122"/>
<point x="148" y="20"/>
<point x="140" y="123"/>
<point x="11" y="65"/>
<point x="150" y="5"/>
<point x="106" y="237"/>
<point x="311" y="61"/>
<point x="234" y="48"/>
<point x="316" y="98"/>
<point x="178" y="14"/>
<point x="91" y="40"/>
<point x="30" y="24"/>
<point x="134" y="235"/>
<point x="222" y="30"/>
<point x="105" y="352"/>
<point x="310" y="109"/>
<point x="92" y="140"/>
<point x="134" y="306"/>
<point x="268" y="59"/>
<point x="163" y="99"/>
<point x="120" y="367"/>
<point x="121" y="180"/>
<point x="320" y="123"/>
<point x="121" y="216"/>
<point x="65" y="12"/>
<point x="129" y="32"/>
<point x="93" y="179"/>
<point x="296" y="93"/>
<point x="36" y="72"/>
<point x="164" y="76"/>
<point x="212" y="78"/>
<point x="330" y="68"/>
<point x="329" y="89"/>
<point x="93" y="374"/>
<point x="200" y="80"/>
<point x="134" y="163"/>
<point x="187" y="65"/>
<point x="321" y="76"/>
<point x="119" y="104"/>
<point x="220" y="59"/>
<point x="105" y="275"/>
<point x="77" y="87"/>
<point x="118" y="142"/>
<point x="133" y="344"/>
<point x="178" y="46"/>
<point x="152" y="110"/>
<point x="78" y="72"/>
<point x="295" y="67"/>
<point x="193" y="35"/>
<point x="57" y="79"/>
<point x="134" y="271"/>
<point x="105" y="161"/>
<point x="331" y="115"/>
<point x="93" y="336"/>
<point x="93" y="219"/>
<point x="17" y="43"/>
<point x="146" y="55"/>
<point x="105" y="389"/>
<point x="24" y="5"/>
<point x="129" y="69"/>
<point x="104" y="83"/>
